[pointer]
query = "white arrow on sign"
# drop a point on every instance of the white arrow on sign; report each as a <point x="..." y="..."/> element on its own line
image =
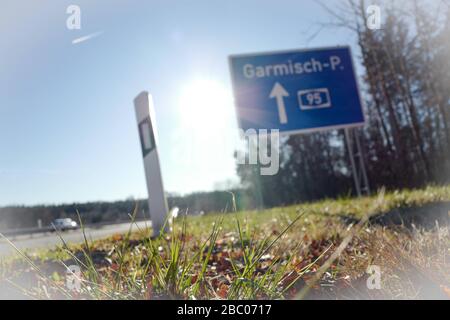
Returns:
<point x="280" y="93"/>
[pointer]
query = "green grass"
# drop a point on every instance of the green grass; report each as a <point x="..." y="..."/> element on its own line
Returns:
<point x="297" y="251"/>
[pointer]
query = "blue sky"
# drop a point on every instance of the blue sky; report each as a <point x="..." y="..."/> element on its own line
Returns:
<point x="67" y="124"/>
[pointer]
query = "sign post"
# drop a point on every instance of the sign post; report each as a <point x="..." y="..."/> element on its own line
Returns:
<point x="299" y="91"/>
<point x="157" y="202"/>
<point x="357" y="161"/>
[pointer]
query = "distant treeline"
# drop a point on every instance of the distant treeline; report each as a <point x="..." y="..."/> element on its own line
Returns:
<point x="13" y="217"/>
<point x="405" y="82"/>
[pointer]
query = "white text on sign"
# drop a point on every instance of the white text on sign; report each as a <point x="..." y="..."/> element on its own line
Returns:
<point x="251" y="71"/>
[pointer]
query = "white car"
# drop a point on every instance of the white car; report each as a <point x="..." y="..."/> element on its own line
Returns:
<point x="65" y="224"/>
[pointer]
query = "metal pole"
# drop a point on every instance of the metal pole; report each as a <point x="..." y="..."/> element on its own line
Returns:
<point x="362" y="163"/>
<point x="352" y="161"/>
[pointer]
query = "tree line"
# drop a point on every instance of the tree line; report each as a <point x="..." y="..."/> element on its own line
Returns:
<point x="16" y="217"/>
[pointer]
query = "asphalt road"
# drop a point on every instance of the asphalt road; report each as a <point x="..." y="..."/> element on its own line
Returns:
<point x="49" y="240"/>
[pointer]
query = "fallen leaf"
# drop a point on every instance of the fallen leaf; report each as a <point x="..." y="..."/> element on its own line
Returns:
<point x="223" y="291"/>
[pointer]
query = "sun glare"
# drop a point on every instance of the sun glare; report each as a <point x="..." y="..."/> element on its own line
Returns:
<point x="205" y="104"/>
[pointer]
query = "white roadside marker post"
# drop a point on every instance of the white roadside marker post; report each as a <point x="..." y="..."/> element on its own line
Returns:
<point x="157" y="203"/>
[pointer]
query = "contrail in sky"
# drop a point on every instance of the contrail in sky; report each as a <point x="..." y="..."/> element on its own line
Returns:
<point x="88" y="37"/>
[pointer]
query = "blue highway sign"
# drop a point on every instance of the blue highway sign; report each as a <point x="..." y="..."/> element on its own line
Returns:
<point x="296" y="91"/>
